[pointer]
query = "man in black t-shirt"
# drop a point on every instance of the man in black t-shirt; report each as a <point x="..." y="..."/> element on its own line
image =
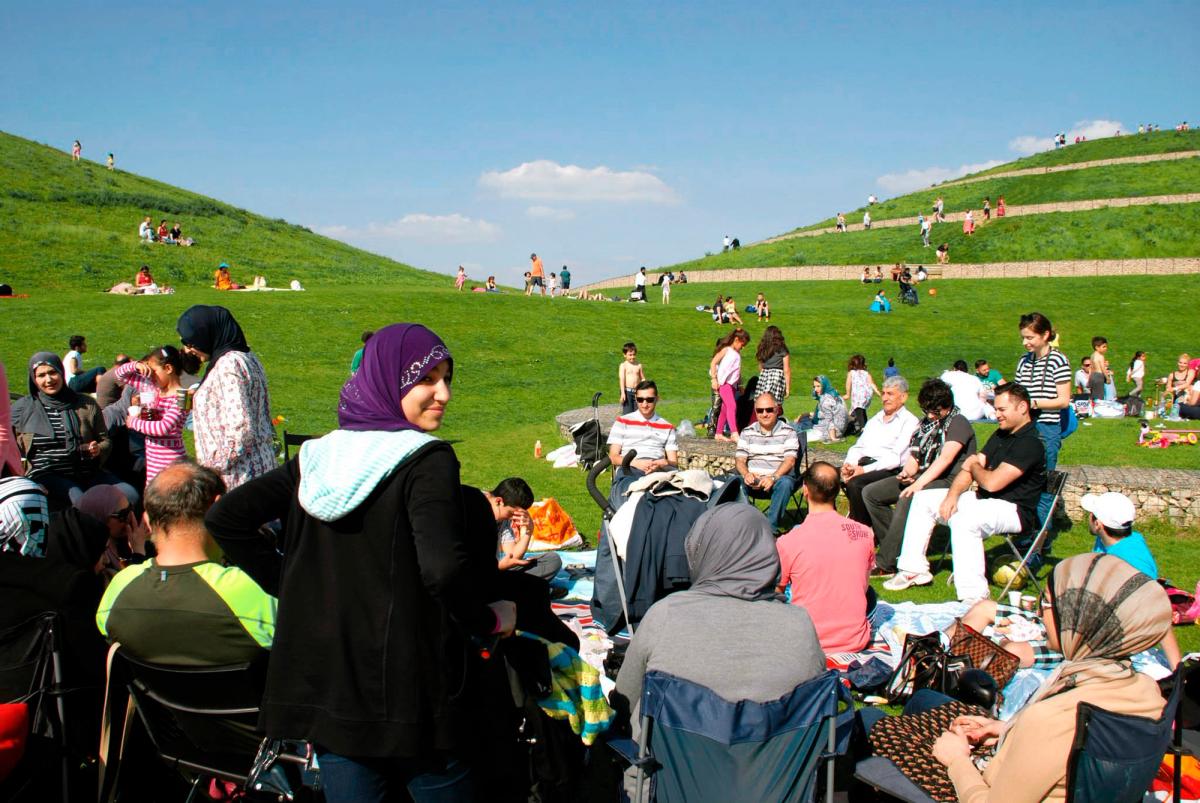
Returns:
<point x="1010" y="475"/>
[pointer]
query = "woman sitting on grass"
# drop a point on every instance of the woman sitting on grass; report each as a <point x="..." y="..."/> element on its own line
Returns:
<point x="828" y="423"/>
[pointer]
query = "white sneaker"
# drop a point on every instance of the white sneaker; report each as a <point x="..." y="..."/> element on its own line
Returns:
<point x="904" y="580"/>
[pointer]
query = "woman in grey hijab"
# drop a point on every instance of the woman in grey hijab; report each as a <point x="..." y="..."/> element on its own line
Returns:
<point x="729" y="632"/>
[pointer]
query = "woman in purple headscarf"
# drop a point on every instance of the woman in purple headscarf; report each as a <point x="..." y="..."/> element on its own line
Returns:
<point x="376" y="605"/>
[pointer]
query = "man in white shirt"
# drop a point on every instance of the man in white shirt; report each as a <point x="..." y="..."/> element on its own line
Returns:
<point x="725" y="243"/>
<point x="639" y="284"/>
<point x="968" y="393"/>
<point x="647" y="433"/>
<point x="881" y="449"/>
<point x="866" y="220"/>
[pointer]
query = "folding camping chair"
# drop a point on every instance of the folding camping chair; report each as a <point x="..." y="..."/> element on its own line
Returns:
<point x="31" y="673"/>
<point x="1056" y="481"/>
<point x="1116" y="756"/>
<point x="696" y="746"/>
<point x="291" y="439"/>
<point x="203" y="721"/>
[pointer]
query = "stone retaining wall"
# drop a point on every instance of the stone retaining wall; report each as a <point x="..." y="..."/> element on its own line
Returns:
<point x="1173" y="494"/>
<point x="982" y="270"/>
<point x="1010" y="211"/>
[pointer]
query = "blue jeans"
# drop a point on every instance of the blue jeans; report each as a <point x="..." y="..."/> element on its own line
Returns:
<point x="1051" y="435"/>
<point x="375" y="780"/>
<point x="85" y="382"/>
<point x="781" y="494"/>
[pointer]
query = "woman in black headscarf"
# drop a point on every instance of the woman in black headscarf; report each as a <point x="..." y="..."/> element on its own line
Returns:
<point x="62" y="434"/>
<point x="231" y="413"/>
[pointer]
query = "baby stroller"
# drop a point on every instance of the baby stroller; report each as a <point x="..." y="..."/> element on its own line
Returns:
<point x="908" y="294"/>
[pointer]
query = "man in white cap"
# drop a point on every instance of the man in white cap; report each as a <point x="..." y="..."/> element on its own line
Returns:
<point x="1110" y="518"/>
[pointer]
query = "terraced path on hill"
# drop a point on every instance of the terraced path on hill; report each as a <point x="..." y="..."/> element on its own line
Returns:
<point x="1039" y="171"/>
<point x="979" y="270"/>
<point x="1011" y="211"/>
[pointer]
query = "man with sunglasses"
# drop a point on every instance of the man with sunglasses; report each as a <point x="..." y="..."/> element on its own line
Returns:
<point x="1082" y="376"/>
<point x="766" y="455"/>
<point x="647" y="433"/>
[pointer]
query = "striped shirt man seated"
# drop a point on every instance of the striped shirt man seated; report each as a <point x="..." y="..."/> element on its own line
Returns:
<point x="646" y="432"/>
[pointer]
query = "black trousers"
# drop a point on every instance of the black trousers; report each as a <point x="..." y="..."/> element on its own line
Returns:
<point x="854" y="492"/>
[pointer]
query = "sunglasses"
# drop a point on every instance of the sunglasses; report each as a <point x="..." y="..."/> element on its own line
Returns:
<point x="646" y="399"/>
<point x="765" y="410"/>
<point x="122" y="513"/>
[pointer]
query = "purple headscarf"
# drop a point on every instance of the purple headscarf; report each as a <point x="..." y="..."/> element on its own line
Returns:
<point x="395" y="359"/>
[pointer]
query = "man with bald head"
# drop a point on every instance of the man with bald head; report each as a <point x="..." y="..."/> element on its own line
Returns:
<point x="766" y="454"/>
<point x="183" y="607"/>
<point x="827" y="560"/>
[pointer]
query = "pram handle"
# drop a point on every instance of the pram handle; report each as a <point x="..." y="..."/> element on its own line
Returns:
<point x="599" y="468"/>
<point x="596" y="398"/>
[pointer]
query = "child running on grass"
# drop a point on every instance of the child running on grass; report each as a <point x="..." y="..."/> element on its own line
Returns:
<point x="629" y="373"/>
<point x="155" y="377"/>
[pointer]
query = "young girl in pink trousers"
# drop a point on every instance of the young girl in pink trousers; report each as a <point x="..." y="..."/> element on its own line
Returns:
<point x="725" y="370"/>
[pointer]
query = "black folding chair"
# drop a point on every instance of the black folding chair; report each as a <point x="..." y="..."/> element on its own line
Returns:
<point x="202" y="721"/>
<point x="31" y="673"/>
<point x="1055" y="482"/>
<point x="291" y="439"/>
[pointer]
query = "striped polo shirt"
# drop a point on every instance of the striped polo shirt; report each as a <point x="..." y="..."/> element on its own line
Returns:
<point x="764" y="453"/>
<point x="1042" y="378"/>
<point x="194" y="614"/>
<point x="652" y="438"/>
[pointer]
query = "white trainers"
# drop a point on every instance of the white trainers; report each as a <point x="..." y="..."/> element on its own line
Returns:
<point x="904" y="580"/>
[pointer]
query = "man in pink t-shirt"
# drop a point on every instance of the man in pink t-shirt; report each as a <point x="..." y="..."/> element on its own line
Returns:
<point x="826" y="561"/>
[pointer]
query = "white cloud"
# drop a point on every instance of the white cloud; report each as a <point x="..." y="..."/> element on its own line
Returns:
<point x="910" y="180"/>
<point x="543" y="180"/>
<point x="452" y="228"/>
<point x="1092" y="129"/>
<point x="549" y="213"/>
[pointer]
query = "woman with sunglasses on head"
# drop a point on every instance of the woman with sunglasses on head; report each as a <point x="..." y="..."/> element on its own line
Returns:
<point x="231" y="413"/>
<point x="378" y="599"/>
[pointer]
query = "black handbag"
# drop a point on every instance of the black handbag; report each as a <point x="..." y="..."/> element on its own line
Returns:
<point x="285" y="768"/>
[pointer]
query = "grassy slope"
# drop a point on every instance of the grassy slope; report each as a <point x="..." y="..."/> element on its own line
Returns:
<point x="1107" y="148"/>
<point x="1171" y="230"/>
<point x="65" y="224"/>
<point x="1114" y="181"/>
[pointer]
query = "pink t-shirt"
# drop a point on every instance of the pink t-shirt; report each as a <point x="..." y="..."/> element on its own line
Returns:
<point x="826" y="561"/>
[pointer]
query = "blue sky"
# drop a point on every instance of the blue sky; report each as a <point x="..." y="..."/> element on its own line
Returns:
<point x="604" y="135"/>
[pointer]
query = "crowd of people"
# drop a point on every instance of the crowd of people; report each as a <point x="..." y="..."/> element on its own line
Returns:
<point x="364" y="565"/>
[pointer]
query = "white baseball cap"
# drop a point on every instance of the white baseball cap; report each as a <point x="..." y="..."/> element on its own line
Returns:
<point x="1110" y="509"/>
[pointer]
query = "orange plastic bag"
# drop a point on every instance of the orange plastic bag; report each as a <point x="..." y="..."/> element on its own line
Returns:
<point x="552" y="527"/>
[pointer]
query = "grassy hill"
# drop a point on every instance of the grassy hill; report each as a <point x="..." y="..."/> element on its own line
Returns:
<point x="520" y="361"/>
<point x="1112" y="233"/>
<point x="75" y="224"/>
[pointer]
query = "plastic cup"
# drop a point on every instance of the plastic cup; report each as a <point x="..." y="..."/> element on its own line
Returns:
<point x="1028" y="603"/>
<point x="1014" y="599"/>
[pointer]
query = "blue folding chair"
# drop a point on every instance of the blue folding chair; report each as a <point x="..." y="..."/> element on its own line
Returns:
<point x="697" y="746"/>
<point x="1116" y="756"/>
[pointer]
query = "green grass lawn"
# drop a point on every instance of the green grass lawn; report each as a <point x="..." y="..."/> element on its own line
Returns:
<point x="1114" y="181"/>
<point x="65" y="224"/>
<point x="1106" y="148"/>
<point x="1170" y="230"/>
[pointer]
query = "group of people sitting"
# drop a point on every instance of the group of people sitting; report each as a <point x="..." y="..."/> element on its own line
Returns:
<point x="148" y="233"/>
<point x="903" y="477"/>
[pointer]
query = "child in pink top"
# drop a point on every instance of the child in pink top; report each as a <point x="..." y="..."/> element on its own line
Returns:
<point x="725" y="370"/>
<point x="156" y="379"/>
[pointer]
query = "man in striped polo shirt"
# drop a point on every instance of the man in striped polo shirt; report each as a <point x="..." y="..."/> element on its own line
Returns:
<point x="183" y="607"/>
<point x="766" y="454"/>
<point x="647" y="433"/>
